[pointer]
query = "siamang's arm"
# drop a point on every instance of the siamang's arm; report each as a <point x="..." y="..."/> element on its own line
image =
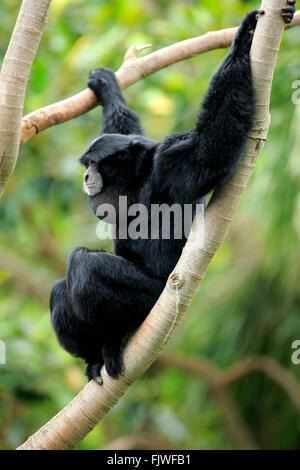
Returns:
<point x="117" y="117"/>
<point x="191" y="164"/>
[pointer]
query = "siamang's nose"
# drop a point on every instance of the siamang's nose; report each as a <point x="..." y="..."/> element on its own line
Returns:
<point x="86" y="177"/>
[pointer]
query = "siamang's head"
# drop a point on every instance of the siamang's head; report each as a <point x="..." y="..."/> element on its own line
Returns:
<point x="115" y="165"/>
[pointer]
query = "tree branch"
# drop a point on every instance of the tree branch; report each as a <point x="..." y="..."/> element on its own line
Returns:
<point x="210" y="373"/>
<point x="217" y="378"/>
<point x="81" y="415"/>
<point x="28" y="278"/>
<point x="132" y="70"/>
<point x="13" y="81"/>
<point x="270" y="368"/>
<point x="219" y="382"/>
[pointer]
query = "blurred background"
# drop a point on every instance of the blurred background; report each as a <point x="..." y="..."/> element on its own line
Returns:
<point x="248" y="304"/>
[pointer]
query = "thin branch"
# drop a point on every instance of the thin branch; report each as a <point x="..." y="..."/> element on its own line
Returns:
<point x="141" y="441"/>
<point x="210" y="373"/>
<point x="219" y="382"/>
<point x="80" y="416"/>
<point x="217" y="378"/>
<point x="132" y="70"/>
<point x="27" y="278"/>
<point x="234" y="421"/>
<point x="270" y="368"/>
<point x="13" y="81"/>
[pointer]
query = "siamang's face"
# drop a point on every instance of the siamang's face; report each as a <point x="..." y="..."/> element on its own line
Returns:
<point x="101" y="183"/>
<point x="106" y="175"/>
<point x="92" y="180"/>
<point x="113" y="163"/>
<point x="105" y="161"/>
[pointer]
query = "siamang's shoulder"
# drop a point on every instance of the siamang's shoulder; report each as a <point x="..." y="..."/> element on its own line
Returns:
<point x="177" y="139"/>
<point x="175" y="147"/>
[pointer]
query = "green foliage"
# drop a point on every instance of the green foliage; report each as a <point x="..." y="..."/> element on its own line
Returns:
<point x="249" y="301"/>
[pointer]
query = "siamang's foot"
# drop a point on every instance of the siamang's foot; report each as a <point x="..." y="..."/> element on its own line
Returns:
<point x="93" y="372"/>
<point x="288" y="12"/>
<point x="113" y="364"/>
<point x="103" y="82"/>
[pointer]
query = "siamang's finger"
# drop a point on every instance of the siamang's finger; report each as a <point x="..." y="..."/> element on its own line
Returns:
<point x="287" y="17"/>
<point x="92" y="82"/>
<point x="97" y="85"/>
<point x="93" y="85"/>
<point x="250" y="20"/>
<point x="288" y="12"/>
<point x="102" y="72"/>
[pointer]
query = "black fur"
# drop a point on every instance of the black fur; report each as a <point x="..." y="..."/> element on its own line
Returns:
<point x="106" y="296"/>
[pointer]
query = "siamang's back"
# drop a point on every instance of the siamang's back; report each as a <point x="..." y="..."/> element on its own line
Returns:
<point x="158" y="256"/>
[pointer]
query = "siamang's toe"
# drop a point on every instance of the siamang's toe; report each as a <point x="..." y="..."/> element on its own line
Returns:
<point x="98" y="380"/>
<point x="114" y="365"/>
<point x="93" y="372"/>
<point x="287" y="13"/>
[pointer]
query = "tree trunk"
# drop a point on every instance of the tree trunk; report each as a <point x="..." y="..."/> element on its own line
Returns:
<point x="13" y="81"/>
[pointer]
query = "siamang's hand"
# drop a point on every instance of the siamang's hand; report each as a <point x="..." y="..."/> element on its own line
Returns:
<point x="288" y="12"/>
<point x="250" y="20"/>
<point x="102" y="81"/>
<point x="243" y="39"/>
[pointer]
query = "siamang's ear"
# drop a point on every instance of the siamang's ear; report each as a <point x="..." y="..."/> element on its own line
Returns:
<point x="110" y="144"/>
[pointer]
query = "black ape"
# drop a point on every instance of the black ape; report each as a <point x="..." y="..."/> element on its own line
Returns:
<point x="106" y="296"/>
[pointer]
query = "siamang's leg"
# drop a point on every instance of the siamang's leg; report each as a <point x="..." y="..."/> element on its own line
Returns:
<point x="113" y="295"/>
<point x="117" y="117"/>
<point x="112" y="353"/>
<point x="74" y="334"/>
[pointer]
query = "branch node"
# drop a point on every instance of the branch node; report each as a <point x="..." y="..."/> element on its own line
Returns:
<point x="134" y="51"/>
<point x="176" y="280"/>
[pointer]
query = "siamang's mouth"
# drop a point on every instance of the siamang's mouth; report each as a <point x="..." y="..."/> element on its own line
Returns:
<point x="91" y="189"/>
<point x="106" y="205"/>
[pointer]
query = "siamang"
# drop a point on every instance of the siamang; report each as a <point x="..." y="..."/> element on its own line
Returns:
<point x="106" y="296"/>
